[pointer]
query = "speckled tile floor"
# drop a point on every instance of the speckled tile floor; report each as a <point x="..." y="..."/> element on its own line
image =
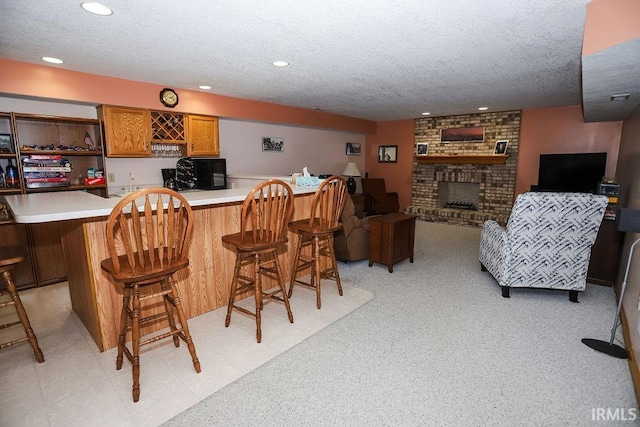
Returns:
<point x="78" y="385"/>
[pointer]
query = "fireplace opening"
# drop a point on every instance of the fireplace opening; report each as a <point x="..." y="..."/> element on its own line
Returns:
<point x="461" y="205"/>
<point x="458" y="195"/>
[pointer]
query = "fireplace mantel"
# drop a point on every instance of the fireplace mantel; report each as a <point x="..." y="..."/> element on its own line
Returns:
<point x="490" y="159"/>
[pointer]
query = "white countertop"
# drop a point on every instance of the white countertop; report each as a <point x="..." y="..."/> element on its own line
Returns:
<point x="65" y="205"/>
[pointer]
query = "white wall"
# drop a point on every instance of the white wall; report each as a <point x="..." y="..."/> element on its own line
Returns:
<point x="321" y="151"/>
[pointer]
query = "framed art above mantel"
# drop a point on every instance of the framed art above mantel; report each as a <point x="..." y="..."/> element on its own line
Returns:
<point x="465" y="134"/>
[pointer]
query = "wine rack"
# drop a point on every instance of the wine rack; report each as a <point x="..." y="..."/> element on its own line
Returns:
<point x="167" y="127"/>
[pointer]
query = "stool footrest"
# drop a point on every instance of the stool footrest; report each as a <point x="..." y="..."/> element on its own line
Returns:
<point x="8" y="325"/>
<point x="14" y="342"/>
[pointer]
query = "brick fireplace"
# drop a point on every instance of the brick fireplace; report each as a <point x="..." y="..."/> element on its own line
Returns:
<point x="489" y="187"/>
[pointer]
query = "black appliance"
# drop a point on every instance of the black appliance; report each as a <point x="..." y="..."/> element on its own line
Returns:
<point x="202" y="174"/>
<point x="575" y="172"/>
<point x="169" y="178"/>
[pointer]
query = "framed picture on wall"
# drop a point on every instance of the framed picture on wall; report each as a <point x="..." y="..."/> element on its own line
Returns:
<point x="422" y="149"/>
<point x="388" y="154"/>
<point x="353" y="149"/>
<point x="272" y="144"/>
<point x="501" y="147"/>
<point x="466" y="134"/>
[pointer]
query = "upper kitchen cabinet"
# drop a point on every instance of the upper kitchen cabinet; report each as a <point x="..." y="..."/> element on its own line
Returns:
<point x="134" y="132"/>
<point x="202" y="136"/>
<point x="127" y="131"/>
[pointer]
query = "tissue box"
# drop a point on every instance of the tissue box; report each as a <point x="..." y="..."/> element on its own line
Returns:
<point x="307" y="181"/>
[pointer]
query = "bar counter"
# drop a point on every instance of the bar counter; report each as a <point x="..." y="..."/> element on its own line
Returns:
<point x="203" y="286"/>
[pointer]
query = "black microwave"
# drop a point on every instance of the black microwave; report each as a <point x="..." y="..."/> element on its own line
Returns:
<point x="210" y="174"/>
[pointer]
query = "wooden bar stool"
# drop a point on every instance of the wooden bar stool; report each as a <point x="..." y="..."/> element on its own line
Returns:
<point x="317" y="232"/>
<point x="147" y="246"/>
<point x="10" y="256"/>
<point x="263" y="231"/>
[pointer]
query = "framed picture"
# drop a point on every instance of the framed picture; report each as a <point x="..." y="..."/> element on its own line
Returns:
<point x="422" y="149"/>
<point x="272" y="144"/>
<point x="5" y="143"/>
<point x="353" y="149"/>
<point x="501" y="147"/>
<point x="468" y="134"/>
<point x="388" y="154"/>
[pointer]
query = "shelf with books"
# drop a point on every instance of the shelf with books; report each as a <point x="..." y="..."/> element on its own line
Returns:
<point x="44" y="141"/>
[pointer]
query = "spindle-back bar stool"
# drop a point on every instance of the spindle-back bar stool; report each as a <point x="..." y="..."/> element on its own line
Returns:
<point x="265" y="214"/>
<point x="10" y="256"/>
<point x="148" y="235"/>
<point x="317" y="232"/>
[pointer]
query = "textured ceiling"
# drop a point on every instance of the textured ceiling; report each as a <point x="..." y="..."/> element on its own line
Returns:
<point x="370" y="59"/>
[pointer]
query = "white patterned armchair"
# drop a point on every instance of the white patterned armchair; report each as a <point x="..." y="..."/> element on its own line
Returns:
<point x="547" y="242"/>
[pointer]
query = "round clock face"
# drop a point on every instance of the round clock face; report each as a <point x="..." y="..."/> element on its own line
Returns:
<point x="169" y="97"/>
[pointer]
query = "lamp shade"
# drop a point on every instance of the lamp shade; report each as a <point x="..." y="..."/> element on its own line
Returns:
<point x="351" y="170"/>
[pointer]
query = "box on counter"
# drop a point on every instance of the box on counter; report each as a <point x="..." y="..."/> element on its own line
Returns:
<point x="95" y="181"/>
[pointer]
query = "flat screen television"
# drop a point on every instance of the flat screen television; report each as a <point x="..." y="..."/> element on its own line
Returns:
<point x="575" y="172"/>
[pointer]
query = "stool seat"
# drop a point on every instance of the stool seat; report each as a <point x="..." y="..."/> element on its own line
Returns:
<point x="251" y="242"/>
<point x="313" y="227"/>
<point x="9" y="257"/>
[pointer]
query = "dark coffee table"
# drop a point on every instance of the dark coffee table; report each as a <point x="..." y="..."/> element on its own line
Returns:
<point x="391" y="239"/>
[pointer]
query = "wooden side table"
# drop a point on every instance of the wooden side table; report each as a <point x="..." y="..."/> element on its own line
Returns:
<point x="391" y="239"/>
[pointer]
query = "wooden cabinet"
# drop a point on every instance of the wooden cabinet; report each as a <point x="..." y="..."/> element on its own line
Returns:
<point x="391" y="239"/>
<point x="127" y="131"/>
<point x="134" y="132"/>
<point x="605" y="255"/>
<point x="202" y="136"/>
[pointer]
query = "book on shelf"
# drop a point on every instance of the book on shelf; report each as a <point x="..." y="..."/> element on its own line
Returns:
<point x="44" y="157"/>
<point x="41" y="174"/>
<point x="48" y="179"/>
<point x="46" y="169"/>
<point x="47" y="184"/>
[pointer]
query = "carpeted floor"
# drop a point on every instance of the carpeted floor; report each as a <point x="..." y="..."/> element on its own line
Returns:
<point x="437" y="345"/>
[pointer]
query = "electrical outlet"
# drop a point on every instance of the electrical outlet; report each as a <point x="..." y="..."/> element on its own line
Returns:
<point x="111" y="177"/>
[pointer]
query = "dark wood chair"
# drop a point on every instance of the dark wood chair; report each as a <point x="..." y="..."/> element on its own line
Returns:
<point x="10" y="256"/>
<point x="263" y="232"/>
<point x="376" y="198"/>
<point x="317" y="232"/>
<point x="148" y="235"/>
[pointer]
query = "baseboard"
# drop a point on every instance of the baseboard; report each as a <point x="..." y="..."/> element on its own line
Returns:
<point x="633" y="363"/>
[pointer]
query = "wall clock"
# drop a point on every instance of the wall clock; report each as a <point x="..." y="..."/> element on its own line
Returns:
<point x="168" y="97"/>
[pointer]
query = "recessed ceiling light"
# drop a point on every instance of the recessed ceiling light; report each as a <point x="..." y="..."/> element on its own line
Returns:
<point x="52" y="60"/>
<point x="205" y="87"/>
<point x="483" y="108"/>
<point x="620" y="97"/>
<point x="280" y="63"/>
<point x="96" y="8"/>
<point x="426" y="114"/>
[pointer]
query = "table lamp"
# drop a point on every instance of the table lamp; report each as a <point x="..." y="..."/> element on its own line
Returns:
<point x="351" y="170"/>
<point x="629" y="222"/>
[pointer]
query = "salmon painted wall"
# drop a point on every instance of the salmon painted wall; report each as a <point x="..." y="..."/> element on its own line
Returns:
<point x="609" y="23"/>
<point x="23" y="79"/>
<point x="562" y="130"/>
<point x="398" y="176"/>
